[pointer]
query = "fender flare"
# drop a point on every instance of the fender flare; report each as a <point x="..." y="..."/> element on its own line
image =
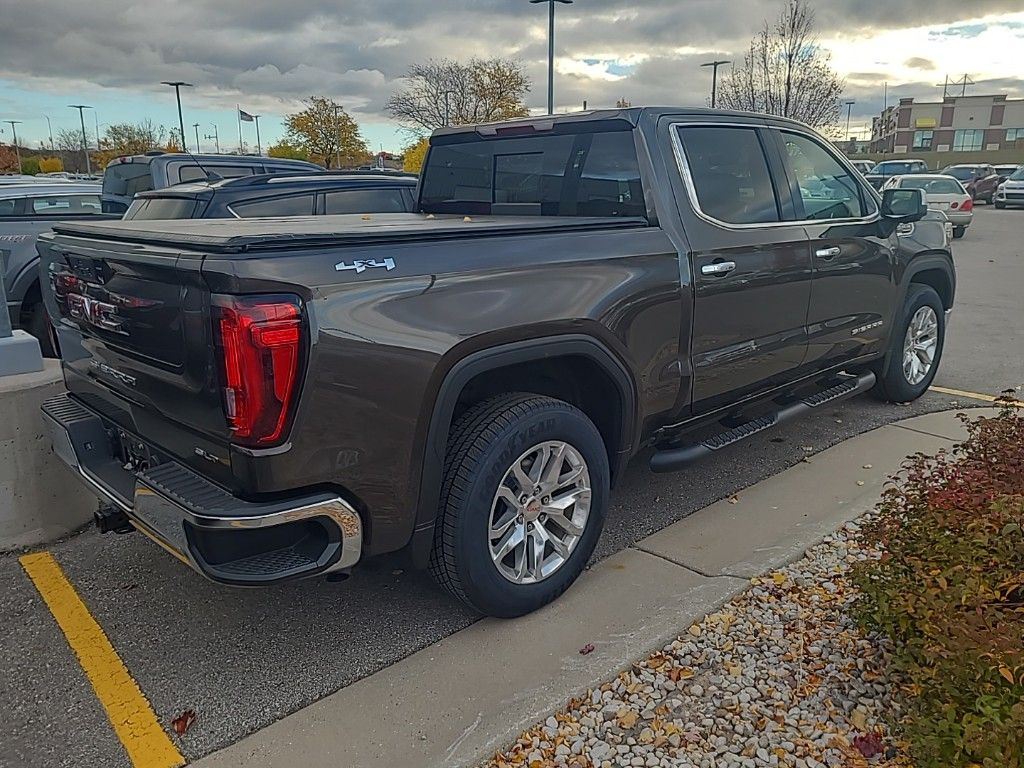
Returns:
<point x="475" y="363"/>
<point x="940" y="260"/>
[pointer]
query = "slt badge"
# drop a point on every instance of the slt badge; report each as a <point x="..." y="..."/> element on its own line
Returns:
<point x="361" y="265"/>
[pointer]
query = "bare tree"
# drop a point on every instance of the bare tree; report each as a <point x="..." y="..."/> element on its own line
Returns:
<point x="785" y="72"/>
<point x="68" y="142"/>
<point x="447" y="92"/>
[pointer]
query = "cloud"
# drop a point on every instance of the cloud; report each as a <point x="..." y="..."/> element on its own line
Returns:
<point x="271" y="54"/>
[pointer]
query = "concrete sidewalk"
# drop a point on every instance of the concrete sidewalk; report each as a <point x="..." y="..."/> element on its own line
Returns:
<point x="454" y="703"/>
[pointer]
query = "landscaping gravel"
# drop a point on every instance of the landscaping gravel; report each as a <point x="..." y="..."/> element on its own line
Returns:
<point x="780" y="676"/>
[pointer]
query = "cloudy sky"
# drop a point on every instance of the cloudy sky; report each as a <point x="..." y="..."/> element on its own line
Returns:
<point x="268" y="54"/>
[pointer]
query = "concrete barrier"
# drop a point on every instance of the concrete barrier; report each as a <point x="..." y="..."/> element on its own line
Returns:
<point x="40" y="500"/>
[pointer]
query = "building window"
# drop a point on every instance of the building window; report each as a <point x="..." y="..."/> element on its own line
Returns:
<point x="968" y="140"/>
<point x="922" y="139"/>
<point x="1015" y="134"/>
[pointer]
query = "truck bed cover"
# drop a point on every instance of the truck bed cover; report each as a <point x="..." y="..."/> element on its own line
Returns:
<point x="239" y="235"/>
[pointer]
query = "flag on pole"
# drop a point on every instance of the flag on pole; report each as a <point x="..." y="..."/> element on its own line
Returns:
<point x="243" y="115"/>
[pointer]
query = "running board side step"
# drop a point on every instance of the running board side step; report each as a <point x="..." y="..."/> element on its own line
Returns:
<point x="671" y="459"/>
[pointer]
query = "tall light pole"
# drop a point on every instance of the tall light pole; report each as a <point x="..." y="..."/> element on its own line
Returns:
<point x="215" y="137"/>
<point x="85" y="141"/>
<point x="551" y="49"/>
<point x="199" y="149"/>
<point x="337" y="137"/>
<point x="14" y="130"/>
<point x="177" y="85"/>
<point x="96" y="118"/>
<point x="714" y="78"/>
<point x="849" y="108"/>
<point x="49" y="128"/>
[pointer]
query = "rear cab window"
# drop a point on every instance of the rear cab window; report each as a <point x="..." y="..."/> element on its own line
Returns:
<point x="126" y="179"/>
<point x="545" y="173"/>
<point x="61" y="205"/>
<point x="193" y="172"/>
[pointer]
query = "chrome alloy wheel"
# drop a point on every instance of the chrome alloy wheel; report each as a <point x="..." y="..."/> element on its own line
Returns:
<point x="539" y="512"/>
<point x="920" y="345"/>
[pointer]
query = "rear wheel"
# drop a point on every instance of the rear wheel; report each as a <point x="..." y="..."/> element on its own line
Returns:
<point x="523" y="502"/>
<point x="915" y="347"/>
<point x="959" y="232"/>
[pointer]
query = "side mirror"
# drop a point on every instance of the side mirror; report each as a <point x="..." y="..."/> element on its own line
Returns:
<point x="904" y="205"/>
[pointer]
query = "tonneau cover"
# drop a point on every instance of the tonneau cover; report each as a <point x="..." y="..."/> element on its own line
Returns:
<point x="237" y="235"/>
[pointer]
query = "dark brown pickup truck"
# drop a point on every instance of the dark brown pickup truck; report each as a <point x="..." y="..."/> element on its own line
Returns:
<point x="273" y="399"/>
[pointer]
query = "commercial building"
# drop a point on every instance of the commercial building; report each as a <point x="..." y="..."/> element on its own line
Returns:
<point x="967" y="127"/>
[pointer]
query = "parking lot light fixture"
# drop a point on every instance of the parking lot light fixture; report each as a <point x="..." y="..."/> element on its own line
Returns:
<point x="714" y="78"/>
<point x="551" y="48"/>
<point x="178" y="85"/>
<point x="85" y="140"/>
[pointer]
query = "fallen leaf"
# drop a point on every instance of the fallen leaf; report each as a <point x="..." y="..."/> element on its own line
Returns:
<point x="588" y="648"/>
<point x="680" y="673"/>
<point x="867" y="466"/>
<point x="734" y="499"/>
<point x="860" y="482"/>
<point x="364" y="217"/>
<point x="183" y="721"/>
<point x="1007" y="674"/>
<point x="779" y="578"/>
<point x="466" y="218"/>
<point x="858" y="720"/>
<point x="627" y="718"/>
<point x="807" y="448"/>
<point x="869" y="744"/>
<point x="694" y="630"/>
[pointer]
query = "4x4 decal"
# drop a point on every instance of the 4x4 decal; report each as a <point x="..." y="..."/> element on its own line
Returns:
<point x="363" y="264"/>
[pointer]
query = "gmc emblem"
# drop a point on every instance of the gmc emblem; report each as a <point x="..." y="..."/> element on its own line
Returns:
<point x="99" y="314"/>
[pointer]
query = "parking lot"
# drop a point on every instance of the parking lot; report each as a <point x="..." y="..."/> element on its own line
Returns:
<point x="242" y="659"/>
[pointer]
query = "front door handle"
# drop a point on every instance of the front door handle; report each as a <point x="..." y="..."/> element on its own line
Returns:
<point x="718" y="268"/>
<point x="828" y="253"/>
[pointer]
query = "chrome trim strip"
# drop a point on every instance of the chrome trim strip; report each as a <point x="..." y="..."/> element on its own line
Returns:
<point x="336" y="509"/>
<point x="691" y="189"/>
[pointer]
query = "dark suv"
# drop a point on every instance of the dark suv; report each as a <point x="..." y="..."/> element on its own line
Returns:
<point x="980" y="181"/>
<point x="126" y="176"/>
<point x="279" y="195"/>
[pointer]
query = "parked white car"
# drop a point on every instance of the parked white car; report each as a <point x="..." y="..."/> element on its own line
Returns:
<point x="1011" y="191"/>
<point x="943" y="193"/>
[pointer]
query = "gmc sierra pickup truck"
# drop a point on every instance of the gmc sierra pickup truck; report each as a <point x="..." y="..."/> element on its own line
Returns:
<point x="279" y="398"/>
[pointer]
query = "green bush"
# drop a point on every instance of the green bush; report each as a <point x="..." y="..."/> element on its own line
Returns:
<point x="949" y="593"/>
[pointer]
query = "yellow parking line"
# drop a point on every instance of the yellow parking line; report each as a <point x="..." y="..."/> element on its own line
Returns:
<point x="974" y="396"/>
<point x="130" y="713"/>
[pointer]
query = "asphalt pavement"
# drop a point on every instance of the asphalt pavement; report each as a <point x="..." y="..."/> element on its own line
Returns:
<point x="243" y="659"/>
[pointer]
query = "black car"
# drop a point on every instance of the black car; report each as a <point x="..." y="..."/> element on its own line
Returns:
<point x="126" y="176"/>
<point x="279" y="195"/>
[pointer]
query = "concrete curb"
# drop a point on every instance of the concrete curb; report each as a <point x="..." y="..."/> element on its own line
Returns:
<point x="456" y="702"/>
<point x="40" y="500"/>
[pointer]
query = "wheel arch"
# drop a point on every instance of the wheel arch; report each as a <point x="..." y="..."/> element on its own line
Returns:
<point x="485" y="366"/>
<point x="934" y="269"/>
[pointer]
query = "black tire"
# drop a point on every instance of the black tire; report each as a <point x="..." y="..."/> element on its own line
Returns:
<point x="892" y="384"/>
<point x="999" y="206"/>
<point x="482" y="446"/>
<point x="959" y="232"/>
<point x="38" y="324"/>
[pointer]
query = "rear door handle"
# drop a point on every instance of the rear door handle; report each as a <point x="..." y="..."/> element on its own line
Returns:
<point x="828" y="253"/>
<point x="718" y="268"/>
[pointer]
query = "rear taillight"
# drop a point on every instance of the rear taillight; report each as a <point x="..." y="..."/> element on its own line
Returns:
<point x="966" y="205"/>
<point x="260" y="343"/>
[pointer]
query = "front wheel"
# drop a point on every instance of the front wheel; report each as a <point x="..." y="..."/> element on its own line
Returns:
<point x="959" y="232"/>
<point x="915" y="347"/>
<point x="1000" y="206"/>
<point x="523" y="501"/>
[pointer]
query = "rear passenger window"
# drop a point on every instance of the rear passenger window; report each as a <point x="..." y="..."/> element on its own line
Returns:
<point x="294" y="205"/>
<point x="65" y="204"/>
<point x="365" y="201"/>
<point x="730" y="174"/>
<point x="827" y="189"/>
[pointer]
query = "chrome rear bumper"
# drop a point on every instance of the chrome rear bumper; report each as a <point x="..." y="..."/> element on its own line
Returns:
<point x="225" y="538"/>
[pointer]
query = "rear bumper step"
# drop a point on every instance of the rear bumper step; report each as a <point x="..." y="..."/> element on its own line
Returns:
<point x="225" y="538"/>
<point x="671" y="459"/>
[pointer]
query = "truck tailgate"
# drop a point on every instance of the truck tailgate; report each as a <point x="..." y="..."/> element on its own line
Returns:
<point x="135" y="335"/>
